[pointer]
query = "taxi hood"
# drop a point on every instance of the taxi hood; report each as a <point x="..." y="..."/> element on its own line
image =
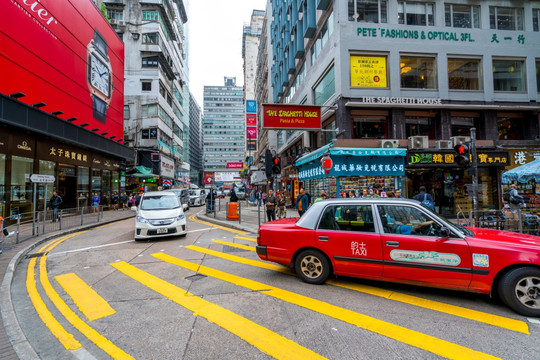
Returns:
<point x="160" y="214"/>
<point x="505" y="236"/>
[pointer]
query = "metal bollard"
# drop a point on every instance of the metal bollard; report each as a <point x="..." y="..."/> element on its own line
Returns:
<point x="239" y="212"/>
<point x="259" y="213"/>
<point x="18" y="227"/>
<point x="60" y="220"/>
<point x="82" y="212"/>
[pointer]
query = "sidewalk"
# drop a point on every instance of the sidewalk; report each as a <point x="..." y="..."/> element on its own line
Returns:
<point x="250" y="216"/>
<point x="13" y="343"/>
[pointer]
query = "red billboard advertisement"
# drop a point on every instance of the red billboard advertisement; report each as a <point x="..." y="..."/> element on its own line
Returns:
<point x="208" y="178"/>
<point x="283" y="116"/>
<point x="251" y="119"/>
<point x="235" y="165"/>
<point x="64" y="54"/>
<point x="251" y="133"/>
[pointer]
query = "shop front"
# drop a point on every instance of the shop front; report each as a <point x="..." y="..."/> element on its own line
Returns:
<point x="451" y="185"/>
<point x="352" y="170"/>
<point x="523" y="171"/>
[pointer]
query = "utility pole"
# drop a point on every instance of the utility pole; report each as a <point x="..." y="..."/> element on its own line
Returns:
<point x="475" y="171"/>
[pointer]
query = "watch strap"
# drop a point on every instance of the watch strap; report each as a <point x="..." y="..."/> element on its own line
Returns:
<point x="100" y="108"/>
<point x="100" y="43"/>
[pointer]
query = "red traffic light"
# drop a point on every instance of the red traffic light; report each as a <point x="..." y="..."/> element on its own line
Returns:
<point x="462" y="149"/>
<point x="275" y="160"/>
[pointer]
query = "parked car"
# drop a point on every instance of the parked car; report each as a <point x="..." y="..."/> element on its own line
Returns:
<point x="183" y="195"/>
<point x="159" y="214"/>
<point x="400" y="240"/>
<point x="197" y="197"/>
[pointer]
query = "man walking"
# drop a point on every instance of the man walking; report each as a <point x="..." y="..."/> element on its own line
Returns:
<point x="302" y="202"/>
<point x="271" y="205"/>
<point x="425" y="198"/>
<point x="54" y="204"/>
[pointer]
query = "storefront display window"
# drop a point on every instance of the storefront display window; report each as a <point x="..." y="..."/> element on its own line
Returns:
<point x="464" y="74"/>
<point x="82" y="186"/>
<point x="358" y="183"/>
<point x="46" y="168"/>
<point x="509" y="75"/>
<point x="21" y="189"/>
<point x="106" y="188"/>
<point x="418" y="72"/>
<point x="96" y="182"/>
<point x="115" y="182"/>
<point x="365" y="127"/>
<point x="510" y="127"/>
<point x="2" y="184"/>
<point x="538" y="76"/>
<point x="418" y="126"/>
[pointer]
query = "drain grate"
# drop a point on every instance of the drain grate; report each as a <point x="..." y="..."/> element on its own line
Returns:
<point x="35" y="255"/>
<point x="196" y="277"/>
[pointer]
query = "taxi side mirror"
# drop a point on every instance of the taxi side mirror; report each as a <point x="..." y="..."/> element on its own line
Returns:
<point x="445" y="232"/>
<point x="134" y="208"/>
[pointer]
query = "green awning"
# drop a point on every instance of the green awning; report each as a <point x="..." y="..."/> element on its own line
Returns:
<point x="141" y="172"/>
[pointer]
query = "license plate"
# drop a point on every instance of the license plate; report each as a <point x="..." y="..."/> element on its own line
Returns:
<point x="161" y="231"/>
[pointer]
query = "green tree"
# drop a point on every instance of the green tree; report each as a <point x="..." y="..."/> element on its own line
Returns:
<point x="103" y="10"/>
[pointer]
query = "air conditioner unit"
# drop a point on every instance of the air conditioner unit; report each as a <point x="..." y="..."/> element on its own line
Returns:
<point x="444" y="144"/>
<point x="112" y="21"/>
<point x="457" y="140"/>
<point x="155" y="157"/>
<point x="418" y="142"/>
<point x="121" y="23"/>
<point x="389" y="143"/>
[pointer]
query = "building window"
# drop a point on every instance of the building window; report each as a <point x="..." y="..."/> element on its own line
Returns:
<point x="418" y="126"/>
<point x="146" y="85"/>
<point x="463" y="122"/>
<point x="464" y="74"/>
<point x="418" y="72"/>
<point x="150" y="62"/>
<point x="126" y="112"/>
<point x="162" y="90"/>
<point x="510" y="126"/>
<point x="536" y="17"/>
<point x="117" y="15"/>
<point x="150" y="38"/>
<point x="509" y="75"/>
<point x="462" y="16"/>
<point x="416" y="13"/>
<point x="150" y="15"/>
<point x="505" y="18"/>
<point x="150" y="133"/>
<point x="369" y="127"/>
<point x="538" y="76"/>
<point x="149" y="110"/>
<point x="373" y="11"/>
<point x="322" y="39"/>
<point x="325" y="88"/>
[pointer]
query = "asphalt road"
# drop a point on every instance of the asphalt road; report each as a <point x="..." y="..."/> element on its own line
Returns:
<point x="99" y="295"/>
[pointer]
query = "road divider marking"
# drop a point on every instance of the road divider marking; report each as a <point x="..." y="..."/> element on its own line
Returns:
<point x="194" y="218"/>
<point x="87" y="299"/>
<point x="102" y="342"/>
<point x="262" y="338"/>
<point x="235" y="245"/>
<point x="392" y="331"/>
<point x="479" y="316"/>
<point x="246" y="238"/>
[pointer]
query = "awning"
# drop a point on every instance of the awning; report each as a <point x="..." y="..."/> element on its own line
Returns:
<point x="312" y="155"/>
<point x="523" y="173"/>
<point x="141" y="172"/>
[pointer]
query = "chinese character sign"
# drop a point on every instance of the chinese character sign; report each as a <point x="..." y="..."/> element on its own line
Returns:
<point x="355" y="166"/>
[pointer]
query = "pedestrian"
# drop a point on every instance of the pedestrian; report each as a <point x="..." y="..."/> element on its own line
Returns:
<point x="130" y="200"/>
<point x="137" y="198"/>
<point x="271" y="205"/>
<point x="124" y="199"/>
<point x="95" y="202"/>
<point x="114" y="199"/>
<point x="54" y="203"/>
<point x="376" y="190"/>
<point x="302" y="202"/>
<point x="352" y="194"/>
<point x="365" y="193"/>
<point x="425" y="198"/>
<point x="390" y="194"/>
<point x="234" y="197"/>
<point x="516" y="200"/>
<point x="264" y="196"/>
<point x="281" y="203"/>
<point x="398" y="193"/>
<point x="258" y="196"/>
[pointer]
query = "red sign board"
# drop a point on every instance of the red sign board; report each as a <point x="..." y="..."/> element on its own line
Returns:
<point x="208" y="178"/>
<point x="66" y="55"/>
<point x="235" y="165"/>
<point x="283" y="116"/>
<point x="251" y="119"/>
<point x="251" y="133"/>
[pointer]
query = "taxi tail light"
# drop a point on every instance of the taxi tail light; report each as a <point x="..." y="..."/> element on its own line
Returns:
<point x="258" y="237"/>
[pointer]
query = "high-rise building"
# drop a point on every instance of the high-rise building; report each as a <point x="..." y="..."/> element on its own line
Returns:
<point x="156" y="98"/>
<point x="195" y="142"/>
<point x="223" y="126"/>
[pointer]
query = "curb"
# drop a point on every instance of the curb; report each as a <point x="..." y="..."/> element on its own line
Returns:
<point x="18" y="340"/>
<point x="226" y="223"/>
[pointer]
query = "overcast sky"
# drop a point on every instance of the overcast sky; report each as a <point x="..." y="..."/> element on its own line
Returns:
<point x="215" y="41"/>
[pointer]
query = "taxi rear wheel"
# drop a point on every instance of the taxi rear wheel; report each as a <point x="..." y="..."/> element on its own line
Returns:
<point x="520" y="290"/>
<point x="312" y="267"/>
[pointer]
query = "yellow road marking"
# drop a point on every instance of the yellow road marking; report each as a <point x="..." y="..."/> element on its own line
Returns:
<point x="267" y="341"/>
<point x="102" y="342"/>
<point x="193" y="218"/>
<point x="396" y="332"/>
<point x="87" y="299"/>
<point x="246" y="238"/>
<point x="66" y="339"/>
<point x="239" y="246"/>
<point x="479" y="316"/>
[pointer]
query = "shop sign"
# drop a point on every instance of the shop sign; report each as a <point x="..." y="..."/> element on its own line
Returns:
<point x="22" y="145"/>
<point x="167" y="167"/>
<point x="431" y="158"/>
<point x="208" y="178"/>
<point x="355" y="166"/>
<point x="251" y="133"/>
<point x="251" y="145"/>
<point x="251" y="106"/>
<point x="284" y="116"/>
<point x="385" y="100"/>
<point x="235" y="165"/>
<point x="520" y="157"/>
<point x="251" y="119"/>
<point x="368" y="71"/>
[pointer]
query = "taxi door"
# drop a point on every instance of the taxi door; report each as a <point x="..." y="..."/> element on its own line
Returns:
<point x="421" y="254"/>
<point x="346" y="233"/>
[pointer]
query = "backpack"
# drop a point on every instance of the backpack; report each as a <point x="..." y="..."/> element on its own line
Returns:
<point x="506" y="195"/>
<point x="428" y="203"/>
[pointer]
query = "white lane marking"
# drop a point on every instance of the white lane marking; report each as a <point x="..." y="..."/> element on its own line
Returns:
<point x="533" y="321"/>
<point x="200" y="230"/>
<point x="89" y="248"/>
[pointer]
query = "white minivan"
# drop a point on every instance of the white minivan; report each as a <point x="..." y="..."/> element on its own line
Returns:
<point x="159" y="214"/>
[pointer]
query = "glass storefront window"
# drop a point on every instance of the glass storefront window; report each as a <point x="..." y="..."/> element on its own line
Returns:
<point x="461" y="126"/>
<point x="21" y="189"/>
<point x="538" y="76"/>
<point x="462" y="16"/>
<point x="325" y="88"/>
<point x="115" y="181"/>
<point x="509" y="75"/>
<point x="365" y="127"/>
<point x="83" y="181"/>
<point x="418" y="72"/>
<point x="418" y="126"/>
<point x="2" y="180"/>
<point x="416" y="13"/>
<point x="106" y="188"/>
<point x="464" y="74"/>
<point x="330" y="134"/>
<point x="96" y="182"/>
<point x="46" y="168"/>
<point x="505" y="18"/>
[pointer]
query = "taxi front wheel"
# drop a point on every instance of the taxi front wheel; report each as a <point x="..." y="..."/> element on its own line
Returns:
<point x="520" y="290"/>
<point x="312" y="267"/>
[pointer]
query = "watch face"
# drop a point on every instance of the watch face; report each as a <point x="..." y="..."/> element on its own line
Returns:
<point x="100" y="78"/>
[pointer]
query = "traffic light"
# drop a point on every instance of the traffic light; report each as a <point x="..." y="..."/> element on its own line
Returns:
<point x="268" y="164"/>
<point x="276" y="165"/>
<point x="462" y="156"/>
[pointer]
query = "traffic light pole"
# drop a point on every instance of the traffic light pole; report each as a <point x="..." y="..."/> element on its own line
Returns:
<point x="475" y="171"/>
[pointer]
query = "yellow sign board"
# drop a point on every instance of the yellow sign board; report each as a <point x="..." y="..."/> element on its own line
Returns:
<point x="368" y="71"/>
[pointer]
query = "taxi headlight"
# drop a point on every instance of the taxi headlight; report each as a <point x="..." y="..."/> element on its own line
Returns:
<point x="140" y="219"/>
<point x="180" y="217"/>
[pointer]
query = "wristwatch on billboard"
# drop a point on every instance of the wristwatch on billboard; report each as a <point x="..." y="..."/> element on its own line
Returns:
<point x="99" y="75"/>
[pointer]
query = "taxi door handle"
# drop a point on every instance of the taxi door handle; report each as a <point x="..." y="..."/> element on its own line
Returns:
<point x="323" y="238"/>
<point x="392" y="243"/>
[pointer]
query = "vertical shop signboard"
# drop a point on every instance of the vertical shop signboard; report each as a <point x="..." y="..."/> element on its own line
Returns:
<point x="251" y="125"/>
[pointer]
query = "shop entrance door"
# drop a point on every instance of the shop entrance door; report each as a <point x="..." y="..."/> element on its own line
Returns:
<point x="67" y="186"/>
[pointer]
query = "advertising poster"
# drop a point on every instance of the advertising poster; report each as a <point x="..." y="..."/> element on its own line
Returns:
<point x="65" y="55"/>
<point x="368" y="71"/>
<point x="251" y="119"/>
<point x="251" y="133"/>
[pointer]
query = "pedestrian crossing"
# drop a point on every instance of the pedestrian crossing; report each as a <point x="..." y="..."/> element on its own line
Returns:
<point x="268" y="341"/>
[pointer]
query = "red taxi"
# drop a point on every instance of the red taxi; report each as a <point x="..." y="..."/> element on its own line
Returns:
<point x="400" y="240"/>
